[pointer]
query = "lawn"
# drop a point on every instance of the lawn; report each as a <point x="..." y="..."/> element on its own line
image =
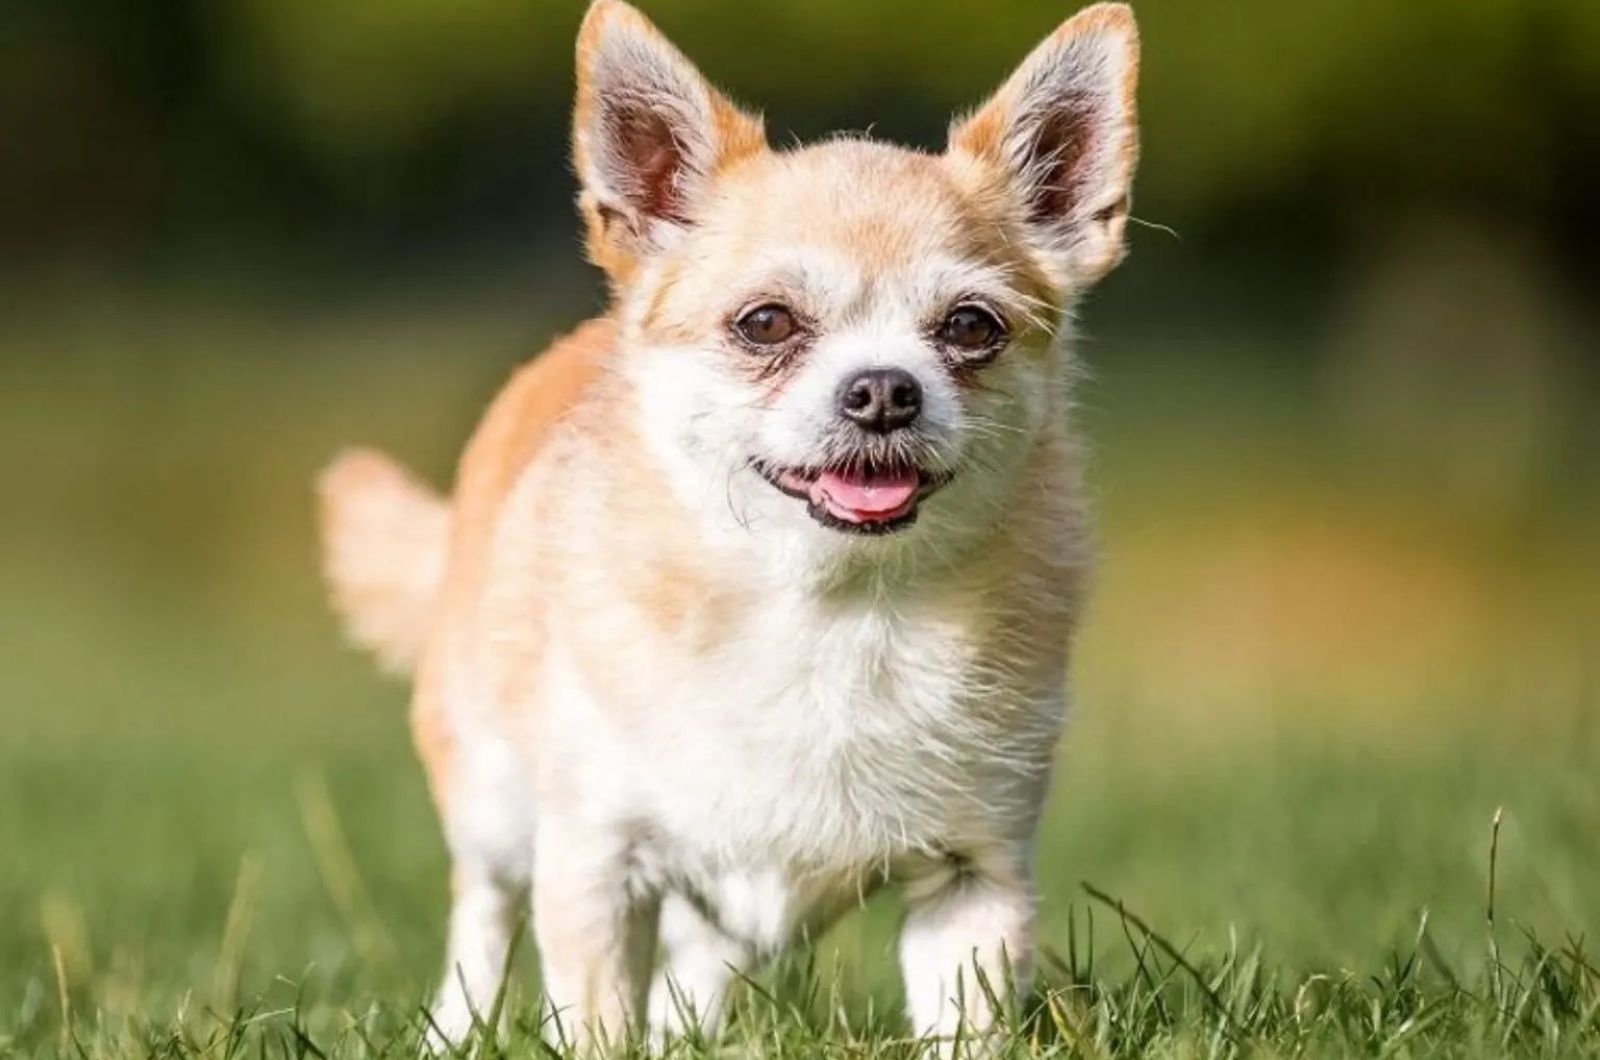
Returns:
<point x="1315" y="673"/>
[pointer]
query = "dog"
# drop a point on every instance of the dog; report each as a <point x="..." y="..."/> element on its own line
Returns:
<point x="757" y="592"/>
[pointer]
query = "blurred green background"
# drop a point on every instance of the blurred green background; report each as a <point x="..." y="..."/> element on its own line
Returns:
<point x="1344" y="397"/>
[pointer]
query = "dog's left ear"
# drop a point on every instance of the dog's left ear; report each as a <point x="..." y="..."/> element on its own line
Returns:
<point x="1059" y="141"/>
<point x="649" y="133"/>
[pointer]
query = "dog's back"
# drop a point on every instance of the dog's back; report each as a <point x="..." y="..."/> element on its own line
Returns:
<point x="395" y="552"/>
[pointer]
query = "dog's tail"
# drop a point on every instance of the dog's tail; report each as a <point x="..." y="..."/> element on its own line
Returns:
<point x="385" y="537"/>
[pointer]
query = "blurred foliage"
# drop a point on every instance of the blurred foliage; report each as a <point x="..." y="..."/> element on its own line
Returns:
<point x="149" y="122"/>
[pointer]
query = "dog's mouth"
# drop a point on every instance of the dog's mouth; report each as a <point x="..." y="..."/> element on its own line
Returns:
<point x="859" y="497"/>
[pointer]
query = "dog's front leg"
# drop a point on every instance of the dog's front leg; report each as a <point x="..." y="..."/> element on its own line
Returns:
<point x="967" y="942"/>
<point x="596" y="926"/>
<point x="700" y="961"/>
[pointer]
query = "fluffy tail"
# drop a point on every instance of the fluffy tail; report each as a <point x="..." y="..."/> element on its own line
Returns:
<point x="384" y="541"/>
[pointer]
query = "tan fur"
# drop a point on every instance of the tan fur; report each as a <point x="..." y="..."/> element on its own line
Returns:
<point x="385" y="536"/>
<point x="735" y="134"/>
<point x="981" y="132"/>
<point x="977" y="142"/>
<point x="520" y="420"/>
<point x="702" y="686"/>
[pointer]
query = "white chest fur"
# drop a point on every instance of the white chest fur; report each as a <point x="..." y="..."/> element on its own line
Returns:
<point x="830" y="737"/>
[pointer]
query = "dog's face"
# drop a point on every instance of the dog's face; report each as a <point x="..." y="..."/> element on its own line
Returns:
<point x="851" y="339"/>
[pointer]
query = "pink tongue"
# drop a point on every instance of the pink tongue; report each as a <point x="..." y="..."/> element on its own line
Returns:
<point x="863" y="498"/>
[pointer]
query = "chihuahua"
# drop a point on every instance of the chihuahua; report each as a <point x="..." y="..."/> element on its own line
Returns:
<point x="757" y="592"/>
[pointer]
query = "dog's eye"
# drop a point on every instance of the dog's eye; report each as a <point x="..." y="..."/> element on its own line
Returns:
<point x="971" y="329"/>
<point x="767" y="325"/>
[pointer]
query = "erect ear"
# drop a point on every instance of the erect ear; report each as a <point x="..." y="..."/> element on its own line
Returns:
<point x="649" y="133"/>
<point x="1059" y="141"/>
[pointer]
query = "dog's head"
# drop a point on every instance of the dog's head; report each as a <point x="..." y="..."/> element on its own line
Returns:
<point x="843" y="340"/>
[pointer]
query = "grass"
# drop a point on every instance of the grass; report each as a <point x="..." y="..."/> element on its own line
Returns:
<point x="1115" y="986"/>
<point x="1313" y="677"/>
<point x="1230" y="1005"/>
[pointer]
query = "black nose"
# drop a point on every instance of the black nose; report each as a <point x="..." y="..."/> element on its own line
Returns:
<point x="881" y="399"/>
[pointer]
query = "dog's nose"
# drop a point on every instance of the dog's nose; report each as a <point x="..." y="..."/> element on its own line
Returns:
<point x="881" y="399"/>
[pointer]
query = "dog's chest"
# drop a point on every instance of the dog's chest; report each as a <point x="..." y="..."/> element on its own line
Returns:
<point x="838" y="737"/>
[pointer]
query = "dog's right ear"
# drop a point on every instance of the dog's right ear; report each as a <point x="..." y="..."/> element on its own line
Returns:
<point x="649" y="134"/>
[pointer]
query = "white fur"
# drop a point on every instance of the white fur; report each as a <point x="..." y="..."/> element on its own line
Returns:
<point x="823" y="712"/>
<point x="779" y="789"/>
<point x="828" y="746"/>
<point x="822" y="750"/>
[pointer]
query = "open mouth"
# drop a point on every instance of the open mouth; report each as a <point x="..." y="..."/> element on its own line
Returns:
<point x="862" y="498"/>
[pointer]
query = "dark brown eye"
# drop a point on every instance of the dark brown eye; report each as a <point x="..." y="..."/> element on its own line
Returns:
<point x="970" y="329"/>
<point x="767" y="325"/>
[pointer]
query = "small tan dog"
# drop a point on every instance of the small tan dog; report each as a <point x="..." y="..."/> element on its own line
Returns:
<point x="756" y="592"/>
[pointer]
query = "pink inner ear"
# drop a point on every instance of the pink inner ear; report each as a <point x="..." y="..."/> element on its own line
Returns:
<point x="648" y="161"/>
<point x="1060" y="146"/>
